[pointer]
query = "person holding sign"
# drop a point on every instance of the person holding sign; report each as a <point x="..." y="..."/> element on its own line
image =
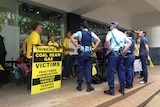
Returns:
<point x="32" y="39"/>
<point x="85" y="38"/>
<point x="29" y="42"/>
<point x="68" y="60"/>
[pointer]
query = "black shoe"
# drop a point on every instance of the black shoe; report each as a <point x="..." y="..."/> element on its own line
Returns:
<point x="121" y="90"/>
<point x="110" y="92"/>
<point x="90" y="89"/>
<point x="79" y="88"/>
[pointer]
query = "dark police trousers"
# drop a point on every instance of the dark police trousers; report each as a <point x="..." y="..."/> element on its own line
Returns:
<point x="129" y="67"/>
<point x="84" y="64"/>
<point x="116" y="63"/>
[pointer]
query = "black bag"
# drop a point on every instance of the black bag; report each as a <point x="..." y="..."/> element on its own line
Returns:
<point x="96" y="79"/>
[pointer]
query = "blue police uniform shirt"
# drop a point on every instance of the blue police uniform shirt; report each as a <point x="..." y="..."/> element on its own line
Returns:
<point x="143" y="42"/>
<point x="78" y="35"/>
<point x="132" y="47"/>
<point x="119" y="36"/>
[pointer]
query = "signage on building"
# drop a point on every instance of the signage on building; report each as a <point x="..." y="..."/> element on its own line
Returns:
<point x="46" y="69"/>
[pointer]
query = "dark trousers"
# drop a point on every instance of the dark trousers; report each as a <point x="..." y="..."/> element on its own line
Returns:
<point x="129" y="68"/>
<point x="116" y="63"/>
<point x="104" y="63"/>
<point x="29" y="78"/>
<point x="67" y="66"/>
<point x="84" y="64"/>
<point x="3" y="74"/>
<point x="144" y="67"/>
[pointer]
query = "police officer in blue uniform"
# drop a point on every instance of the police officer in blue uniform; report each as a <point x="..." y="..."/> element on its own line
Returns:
<point x="85" y="38"/>
<point x="115" y="41"/>
<point x="129" y="61"/>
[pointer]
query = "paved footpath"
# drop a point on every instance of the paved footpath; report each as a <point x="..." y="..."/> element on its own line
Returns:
<point x="67" y="96"/>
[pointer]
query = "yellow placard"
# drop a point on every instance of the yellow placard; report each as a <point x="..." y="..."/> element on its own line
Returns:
<point x="1" y="68"/>
<point x="46" y="69"/>
<point x="151" y="63"/>
<point x="94" y="71"/>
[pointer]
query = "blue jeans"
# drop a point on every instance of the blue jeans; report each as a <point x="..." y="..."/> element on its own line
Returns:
<point x="116" y="62"/>
<point x="84" y="64"/>
<point x="67" y="66"/>
<point x="128" y="62"/>
<point x="144" y="67"/>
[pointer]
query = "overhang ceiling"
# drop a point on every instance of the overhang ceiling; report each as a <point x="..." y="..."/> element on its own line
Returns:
<point x="131" y="8"/>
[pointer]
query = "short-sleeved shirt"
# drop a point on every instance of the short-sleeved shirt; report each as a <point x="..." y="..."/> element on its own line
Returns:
<point x="50" y="43"/>
<point x="143" y="42"/>
<point x="78" y="35"/>
<point x="132" y="47"/>
<point x="119" y="36"/>
<point x="32" y="39"/>
<point x="66" y="44"/>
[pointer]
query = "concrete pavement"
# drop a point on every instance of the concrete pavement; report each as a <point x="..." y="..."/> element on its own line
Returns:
<point x="67" y="96"/>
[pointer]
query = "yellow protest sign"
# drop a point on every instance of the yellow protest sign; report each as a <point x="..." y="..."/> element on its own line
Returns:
<point x="151" y="63"/>
<point x="94" y="71"/>
<point x="46" y="69"/>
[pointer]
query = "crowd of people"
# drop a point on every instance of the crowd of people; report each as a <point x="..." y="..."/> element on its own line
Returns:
<point x="120" y="48"/>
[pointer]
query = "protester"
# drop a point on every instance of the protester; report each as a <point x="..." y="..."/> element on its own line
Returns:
<point x="3" y="74"/>
<point x="29" y="42"/>
<point x="144" y="55"/>
<point x="51" y="41"/>
<point x="68" y="60"/>
<point x="137" y="54"/>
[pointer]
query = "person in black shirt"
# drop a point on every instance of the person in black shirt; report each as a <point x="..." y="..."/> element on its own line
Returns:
<point x="2" y="58"/>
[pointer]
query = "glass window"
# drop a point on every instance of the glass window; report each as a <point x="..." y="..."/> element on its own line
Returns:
<point x="53" y="22"/>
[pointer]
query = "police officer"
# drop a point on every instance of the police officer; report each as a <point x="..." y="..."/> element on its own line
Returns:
<point x="85" y="38"/>
<point x="129" y="61"/>
<point x="115" y="41"/>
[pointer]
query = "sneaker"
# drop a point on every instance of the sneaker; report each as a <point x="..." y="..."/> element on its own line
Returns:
<point x="64" y="78"/>
<point x="71" y="76"/>
<point x="142" y="82"/>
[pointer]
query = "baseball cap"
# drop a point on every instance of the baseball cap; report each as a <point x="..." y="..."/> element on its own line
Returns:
<point x="114" y="23"/>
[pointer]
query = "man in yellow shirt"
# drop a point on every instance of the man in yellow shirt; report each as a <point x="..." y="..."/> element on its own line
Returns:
<point x="29" y="42"/>
<point x="68" y="60"/>
<point x="32" y="39"/>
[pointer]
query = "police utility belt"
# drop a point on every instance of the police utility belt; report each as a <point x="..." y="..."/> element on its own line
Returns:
<point x="89" y="50"/>
<point x="118" y="52"/>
